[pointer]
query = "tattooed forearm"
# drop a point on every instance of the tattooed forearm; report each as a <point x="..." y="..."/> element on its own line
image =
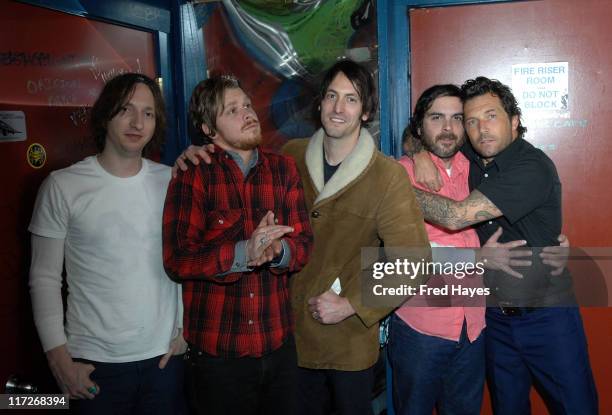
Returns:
<point x="438" y="209"/>
<point x="453" y="214"/>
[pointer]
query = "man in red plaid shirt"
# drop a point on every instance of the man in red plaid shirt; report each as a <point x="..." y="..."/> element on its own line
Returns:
<point x="233" y="231"/>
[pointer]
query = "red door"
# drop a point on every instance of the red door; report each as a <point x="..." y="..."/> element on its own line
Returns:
<point x="452" y="44"/>
<point x="52" y="66"/>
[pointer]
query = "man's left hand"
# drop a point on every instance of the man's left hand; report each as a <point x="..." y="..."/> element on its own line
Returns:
<point x="556" y="256"/>
<point x="330" y="308"/>
<point x="276" y="247"/>
<point x="178" y="345"/>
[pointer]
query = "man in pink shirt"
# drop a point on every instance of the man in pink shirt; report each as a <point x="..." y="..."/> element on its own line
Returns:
<point x="437" y="353"/>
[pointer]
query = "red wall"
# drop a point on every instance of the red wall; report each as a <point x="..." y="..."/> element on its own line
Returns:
<point x="52" y="67"/>
<point x="452" y="44"/>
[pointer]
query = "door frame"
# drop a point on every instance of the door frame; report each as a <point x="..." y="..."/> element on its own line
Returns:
<point x="394" y="65"/>
<point x="173" y="64"/>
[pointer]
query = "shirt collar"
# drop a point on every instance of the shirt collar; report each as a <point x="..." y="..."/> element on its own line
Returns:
<point x="509" y="154"/>
<point x="245" y="169"/>
<point x="502" y="160"/>
<point x="459" y="164"/>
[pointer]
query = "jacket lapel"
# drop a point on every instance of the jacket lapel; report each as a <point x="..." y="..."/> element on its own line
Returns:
<point x="350" y="169"/>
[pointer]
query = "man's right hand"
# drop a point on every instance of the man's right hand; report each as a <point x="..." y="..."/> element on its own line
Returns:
<point x="425" y="172"/>
<point x="502" y="256"/>
<point x="194" y="154"/>
<point x="72" y="377"/>
<point x="267" y="234"/>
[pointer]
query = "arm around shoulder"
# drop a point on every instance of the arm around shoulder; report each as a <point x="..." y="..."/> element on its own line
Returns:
<point x="455" y="215"/>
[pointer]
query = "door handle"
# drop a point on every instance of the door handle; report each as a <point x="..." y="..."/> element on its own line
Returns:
<point x="17" y="385"/>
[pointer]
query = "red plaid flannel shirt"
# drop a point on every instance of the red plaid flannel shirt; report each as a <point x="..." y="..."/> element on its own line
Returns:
<point x="208" y="209"/>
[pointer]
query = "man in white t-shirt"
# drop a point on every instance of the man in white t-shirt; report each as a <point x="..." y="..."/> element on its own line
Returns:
<point x="101" y="217"/>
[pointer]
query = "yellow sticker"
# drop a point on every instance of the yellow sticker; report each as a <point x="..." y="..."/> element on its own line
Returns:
<point x="37" y="156"/>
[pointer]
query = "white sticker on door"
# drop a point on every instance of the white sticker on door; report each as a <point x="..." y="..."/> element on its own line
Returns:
<point x="12" y="126"/>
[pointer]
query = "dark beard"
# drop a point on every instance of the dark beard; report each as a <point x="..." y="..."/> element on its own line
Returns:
<point x="442" y="153"/>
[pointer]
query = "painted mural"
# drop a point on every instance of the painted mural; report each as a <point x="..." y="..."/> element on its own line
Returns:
<point x="278" y="49"/>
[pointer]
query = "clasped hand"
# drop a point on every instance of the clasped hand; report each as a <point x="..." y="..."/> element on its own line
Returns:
<point x="265" y="241"/>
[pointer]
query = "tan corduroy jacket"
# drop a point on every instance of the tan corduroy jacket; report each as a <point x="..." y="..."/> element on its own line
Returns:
<point x="369" y="199"/>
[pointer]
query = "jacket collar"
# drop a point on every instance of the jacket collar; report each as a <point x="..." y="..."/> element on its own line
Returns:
<point x="350" y="169"/>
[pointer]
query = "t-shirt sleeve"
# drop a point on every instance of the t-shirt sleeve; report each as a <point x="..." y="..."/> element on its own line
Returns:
<point x="46" y="290"/>
<point x="520" y="188"/>
<point x="50" y="215"/>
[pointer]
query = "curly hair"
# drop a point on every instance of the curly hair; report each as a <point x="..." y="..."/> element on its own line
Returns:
<point x="482" y="85"/>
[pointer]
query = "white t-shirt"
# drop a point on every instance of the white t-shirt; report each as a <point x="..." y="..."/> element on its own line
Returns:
<point x="122" y="306"/>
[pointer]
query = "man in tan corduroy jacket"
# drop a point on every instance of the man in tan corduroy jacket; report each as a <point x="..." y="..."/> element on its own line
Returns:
<point x="357" y="197"/>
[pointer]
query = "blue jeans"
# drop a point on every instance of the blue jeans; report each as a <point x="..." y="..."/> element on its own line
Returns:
<point x="546" y="347"/>
<point x="430" y="372"/>
<point x="136" y="388"/>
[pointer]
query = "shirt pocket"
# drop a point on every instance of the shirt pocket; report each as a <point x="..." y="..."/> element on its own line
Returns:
<point x="223" y="225"/>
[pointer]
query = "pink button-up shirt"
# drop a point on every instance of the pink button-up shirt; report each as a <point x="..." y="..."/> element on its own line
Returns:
<point x="446" y="322"/>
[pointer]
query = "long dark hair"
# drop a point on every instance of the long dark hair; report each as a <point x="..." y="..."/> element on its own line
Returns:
<point x="425" y="102"/>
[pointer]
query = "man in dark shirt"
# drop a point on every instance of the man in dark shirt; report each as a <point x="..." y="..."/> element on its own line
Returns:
<point x="222" y="241"/>
<point x="515" y="186"/>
